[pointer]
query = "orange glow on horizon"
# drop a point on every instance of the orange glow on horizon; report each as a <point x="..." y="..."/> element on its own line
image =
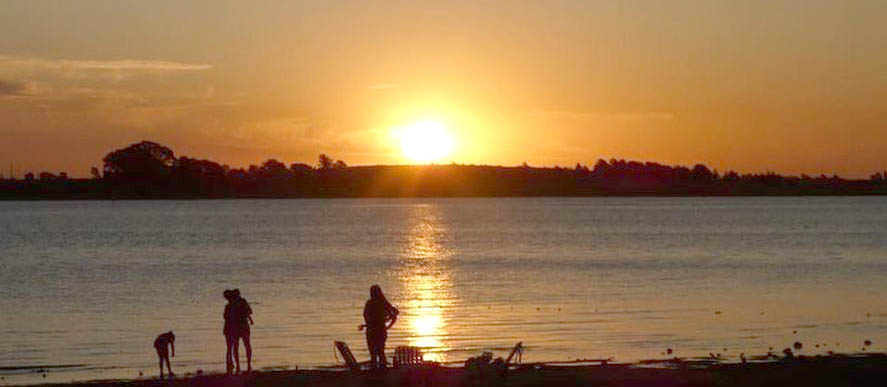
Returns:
<point x="424" y="141"/>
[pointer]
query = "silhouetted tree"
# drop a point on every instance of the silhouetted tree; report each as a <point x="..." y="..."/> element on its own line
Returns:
<point x="701" y="173"/>
<point x="300" y="169"/>
<point x="324" y="162"/>
<point x="142" y="160"/>
<point x="95" y="173"/>
<point x="148" y="169"/>
<point x="140" y="169"/>
<point x="731" y="176"/>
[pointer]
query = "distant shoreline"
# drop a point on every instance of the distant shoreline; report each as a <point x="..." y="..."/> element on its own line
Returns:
<point x="11" y="198"/>
<point x="147" y="170"/>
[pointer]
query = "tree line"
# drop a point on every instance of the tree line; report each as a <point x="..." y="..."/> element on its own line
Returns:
<point x="151" y="170"/>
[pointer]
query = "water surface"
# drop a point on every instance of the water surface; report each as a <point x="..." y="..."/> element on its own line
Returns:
<point x="90" y="284"/>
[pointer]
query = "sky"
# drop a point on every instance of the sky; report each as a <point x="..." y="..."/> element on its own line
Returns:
<point x="787" y="86"/>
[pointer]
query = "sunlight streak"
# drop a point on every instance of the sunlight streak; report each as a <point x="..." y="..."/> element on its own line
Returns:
<point x="426" y="281"/>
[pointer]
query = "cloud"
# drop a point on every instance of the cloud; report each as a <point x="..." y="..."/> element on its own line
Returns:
<point x="99" y="65"/>
<point x="617" y="116"/>
<point x="15" y="89"/>
<point x="383" y="86"/>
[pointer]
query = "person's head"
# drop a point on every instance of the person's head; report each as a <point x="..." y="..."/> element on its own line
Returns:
<point x="228" y="294"/>
<point x="376" y="293"/>
<point x="172" y="336"/>
<point x="235" y="293"/>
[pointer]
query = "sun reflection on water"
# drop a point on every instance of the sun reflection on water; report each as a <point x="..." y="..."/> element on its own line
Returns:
<point x="426" y="282"/>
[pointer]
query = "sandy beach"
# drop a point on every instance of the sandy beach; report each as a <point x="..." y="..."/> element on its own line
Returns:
<point x="836" y="370"/>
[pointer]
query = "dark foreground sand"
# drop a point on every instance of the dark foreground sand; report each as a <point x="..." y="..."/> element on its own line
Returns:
<point x="869" y="370"/>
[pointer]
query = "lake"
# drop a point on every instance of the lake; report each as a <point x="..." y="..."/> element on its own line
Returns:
<point x="89" y="284"/>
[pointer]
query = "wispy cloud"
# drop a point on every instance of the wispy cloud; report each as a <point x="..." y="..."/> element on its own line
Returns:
<point x="15" y="89"/>
<point x="110" y="65"/>
<point x="383" y="86"/>
<point x="619" y="116"/>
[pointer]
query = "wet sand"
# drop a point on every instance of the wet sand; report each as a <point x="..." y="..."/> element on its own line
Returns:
<point x="838" y="370"/>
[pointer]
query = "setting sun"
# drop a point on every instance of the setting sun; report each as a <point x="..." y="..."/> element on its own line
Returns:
<point x="425" y="141"/>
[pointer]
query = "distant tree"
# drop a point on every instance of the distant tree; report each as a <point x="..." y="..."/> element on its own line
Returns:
<point x="731" y="176"/>
<point x="29" y="176"/>
<point x="95" y="173"/>
<point x="142" y="160"/>
<point x="600" y="166"/>
<point x="142" y="169"/>
<point x="273" y="167"/>
<point x="46" y="176"/>
<point x="63" y="176"/>
<point x="324" y="162"/>
<point x="340" y="165"/>
<point x="701" y="173"/>
<point x="300" y="169"/>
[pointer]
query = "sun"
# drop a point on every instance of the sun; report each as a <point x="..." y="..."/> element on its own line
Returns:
<point x="425" y="141"/>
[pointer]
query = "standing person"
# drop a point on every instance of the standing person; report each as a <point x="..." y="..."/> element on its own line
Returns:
<point x="229" y="329"/>
<point x="243" y="318"/>
<point x="162" y="344"/>
<point x="379" y="315"/>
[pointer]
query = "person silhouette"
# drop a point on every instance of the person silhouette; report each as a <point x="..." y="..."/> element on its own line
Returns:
<point x="162" y="344"/>
<point x="229" y="329"/>
<point x="379" y="316"/>
<point x="242" y="319"/>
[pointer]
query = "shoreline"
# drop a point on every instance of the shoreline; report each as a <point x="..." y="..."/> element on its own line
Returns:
<point x="860" y="369"/>
<point x="57" y="198"/>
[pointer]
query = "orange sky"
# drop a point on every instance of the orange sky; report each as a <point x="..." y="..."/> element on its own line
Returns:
<point x="789" y="86"/>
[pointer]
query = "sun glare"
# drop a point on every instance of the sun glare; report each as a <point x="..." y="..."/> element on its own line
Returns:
<point x="425" y="141"/>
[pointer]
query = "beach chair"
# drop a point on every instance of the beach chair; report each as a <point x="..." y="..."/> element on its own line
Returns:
<point x="408" y="356"/>
<point x="517" y="350"/>
<point x="411" y="366"/>
<point x="347" y="356"/>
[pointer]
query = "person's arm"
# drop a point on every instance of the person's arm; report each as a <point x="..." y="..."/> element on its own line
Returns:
<point x="172" y="345"/>
<point x="249" y="314"/>
<point x="392" y="312"/>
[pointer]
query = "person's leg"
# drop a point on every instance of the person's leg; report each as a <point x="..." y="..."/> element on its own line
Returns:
<point x="168" y="367"/>
<point x="371" y="346"/>
<point x="229" y="354"/>
<point x="381" y="348"/>
<point x="160" y="357"/>
<point x="249" y="353"/>
<point x="236" y="354"/>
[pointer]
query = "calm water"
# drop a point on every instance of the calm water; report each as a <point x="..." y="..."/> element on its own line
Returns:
<point x="92" y="283"/>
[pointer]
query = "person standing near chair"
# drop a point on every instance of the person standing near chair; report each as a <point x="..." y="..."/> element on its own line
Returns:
<point x="162" y="344"/>
<point x="379" y="316"/>
<point x="243" y="318"/>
